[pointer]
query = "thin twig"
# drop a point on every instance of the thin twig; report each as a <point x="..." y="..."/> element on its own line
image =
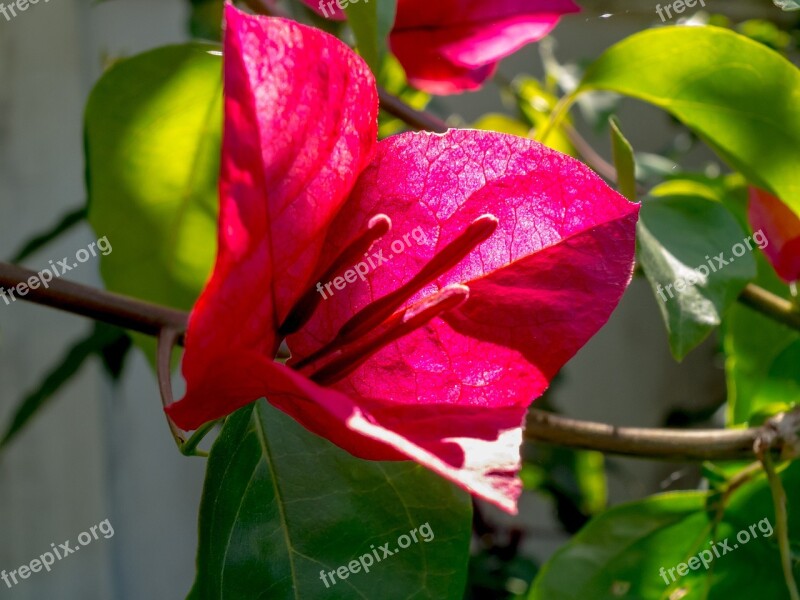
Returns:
<point x="166" y="342"/>
<point x="771" y="305"/>
<point x="663" y="444"/>
<point x="122" y="311"/>
<point x="781" y="524"/>
<point x="418" y="119"/>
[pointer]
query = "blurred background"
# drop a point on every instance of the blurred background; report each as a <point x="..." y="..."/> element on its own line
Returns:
<point x="100" y="448"/>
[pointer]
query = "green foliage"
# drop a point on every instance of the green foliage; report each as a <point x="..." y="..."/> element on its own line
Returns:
<point x="152" y="143"/>
<point x="109" y="343"/>
<point x="620" y="554"/>
<point x="745" y="109"/>
<point x="756" y="348"/>
<point x="371" y="23"/>
<point x="679" y="239"/>
<point x="623" y="161"/>
<point x="281" y="504"/>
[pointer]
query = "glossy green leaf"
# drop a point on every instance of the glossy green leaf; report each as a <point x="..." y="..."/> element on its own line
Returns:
<point x="621" y="553"/>
<point x="281" y="505"/>
<point x="623" y="161"/>
<point x="371" y="22"/>
<point x="736" y="94"/>
<point x="153" y="126"/>
<point x="679" y="239"/>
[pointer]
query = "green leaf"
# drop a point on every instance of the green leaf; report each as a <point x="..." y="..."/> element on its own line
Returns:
<point x="781" y="387"/>
<point x="753" y="342"/>
<point x="502" y="124"/>
<point x="536" y="106"/>
<point x="679" y="238"/>
<point x="102" y="339"/>
<point x="754" y="345"/>
<point x="371" y="21"/>
<point x="281" y="504"/>
<point x="153" y="126"/>
<point x="736" y="94"/>
<point x="623" y="161"/>
<point x="620" y="554"/>
<point x="67" y="222"/>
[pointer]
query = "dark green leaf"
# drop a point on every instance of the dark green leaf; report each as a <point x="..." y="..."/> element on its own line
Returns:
<point x="679" y="238"/>
<point x="101" y="340"/>
<point x="67" y="222"/>
<point x="621" y="553"/>
<point x="205" y="21"/>
<point x="281" y="504"/>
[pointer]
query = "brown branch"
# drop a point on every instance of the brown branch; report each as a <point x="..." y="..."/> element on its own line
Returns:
<point x="99" y="305"/>
<point x="771" y="305"/>
<point x="663" y="444"/>
<point x="418" y="119"/>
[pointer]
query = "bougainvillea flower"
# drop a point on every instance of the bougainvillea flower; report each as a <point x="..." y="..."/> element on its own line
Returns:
<point x="428" y="286"/>
<point x="782" y="227"/>
<point x="450" y="46"/>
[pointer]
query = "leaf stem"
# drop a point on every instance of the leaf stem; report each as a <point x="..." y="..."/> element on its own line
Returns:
<point x="781" y="524"/>
<point x="556" y="116"/>
<point x="189" y="448"/>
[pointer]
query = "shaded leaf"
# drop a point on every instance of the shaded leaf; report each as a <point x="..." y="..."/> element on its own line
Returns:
<point x="679" y="239"/>
<point x="102" y="339"/>
<point x="281" y="504"/>
<point x="67" y="222"/>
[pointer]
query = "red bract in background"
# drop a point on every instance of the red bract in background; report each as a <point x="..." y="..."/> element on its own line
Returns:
<point x="782" y="228"/>
<point x="435" y="355"/>
<point x="451" y="46"/>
